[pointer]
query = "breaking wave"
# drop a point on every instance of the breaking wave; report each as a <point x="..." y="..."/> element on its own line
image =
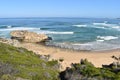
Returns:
<point x="38" y="30"/>
<point x="6" y="26"/>
<point x="100" y="27"/>
<point x="18" y="28"/>
<point x="90" y="46"/>
<point x="106" y="26"/>
<point x="54" y="32"/>
<point x="102" y="24"/>
<point x="116" y="27"/>
<point x="79" y="25"/>
<point x="102" y="38"/>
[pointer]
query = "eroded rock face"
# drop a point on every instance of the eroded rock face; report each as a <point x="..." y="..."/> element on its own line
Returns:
<point x="26" y="36"/>
<point x="10" y="41"/>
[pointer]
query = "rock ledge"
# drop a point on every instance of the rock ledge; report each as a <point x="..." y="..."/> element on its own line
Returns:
<point x="26" y="36"/>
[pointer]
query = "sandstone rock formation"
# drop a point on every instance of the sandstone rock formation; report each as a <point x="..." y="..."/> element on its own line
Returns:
<point x="25" y="36"/>
<point x="10" y="41"/>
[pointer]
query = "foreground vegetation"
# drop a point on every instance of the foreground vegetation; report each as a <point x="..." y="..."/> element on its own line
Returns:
<point x="21" y="64"/>
<point x="86" y="71"/>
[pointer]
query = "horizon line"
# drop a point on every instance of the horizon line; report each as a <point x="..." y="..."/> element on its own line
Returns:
<point x="56" y="17"/>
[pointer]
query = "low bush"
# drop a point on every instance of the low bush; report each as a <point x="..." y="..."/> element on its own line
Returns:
<point x="24" y="64"/>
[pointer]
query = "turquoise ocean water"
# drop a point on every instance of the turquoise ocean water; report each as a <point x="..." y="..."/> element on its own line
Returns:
<point x="73" y="33"/>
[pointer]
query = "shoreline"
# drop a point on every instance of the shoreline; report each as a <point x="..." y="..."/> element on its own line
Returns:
<point x="107" y="50"/>
<point x="74" y="50"/>
<point x="82" y="46"/>
<point x="97" y="58"/>
<point x="71" y="56"/>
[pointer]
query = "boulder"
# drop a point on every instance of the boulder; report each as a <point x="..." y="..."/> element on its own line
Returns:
<point x="26" y="36"/>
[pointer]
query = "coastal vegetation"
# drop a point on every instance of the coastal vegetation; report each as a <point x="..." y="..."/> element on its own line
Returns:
<point x="20" y="64"/>
<point x="87" y="71"/>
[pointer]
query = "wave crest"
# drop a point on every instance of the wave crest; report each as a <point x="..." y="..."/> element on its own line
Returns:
<point x="102" y="38"/>
<point x="79" y="25"/>
<point x="54" y="32"/>
<point x="101" y="24"/>
<point x="18" y="28"/>
<point x="6" y="26"/>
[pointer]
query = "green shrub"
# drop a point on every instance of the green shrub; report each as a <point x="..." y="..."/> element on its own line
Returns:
<point x="7" y="77"/>
<point x="86" y="71"/>
<point x="20" y="62"/>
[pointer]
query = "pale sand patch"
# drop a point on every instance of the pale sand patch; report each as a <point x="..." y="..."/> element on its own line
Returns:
<point x="70" y="56"/>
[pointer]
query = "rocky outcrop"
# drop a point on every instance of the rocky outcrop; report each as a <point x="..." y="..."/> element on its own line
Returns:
<point x="10" y="41"/>
<point x="26" y="36"/>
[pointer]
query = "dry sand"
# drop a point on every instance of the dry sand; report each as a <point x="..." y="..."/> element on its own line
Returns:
<point x="96" y="57"/>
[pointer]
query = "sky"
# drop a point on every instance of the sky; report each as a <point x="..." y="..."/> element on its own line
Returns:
<point x="60" y="8"/>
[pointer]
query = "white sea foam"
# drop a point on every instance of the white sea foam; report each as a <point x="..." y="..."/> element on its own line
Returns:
<point x="54" y="32"/>
<point x="106" y="37"/>
<point x="80" y="25"/>
<point x="102" y="24"/>
<point x="5" y="26"/>
<point x="110" y="27"/>
<point x="35" y="30"/>
<point x="18" y="28"/>
<point x="93" y="46"/>
<point x="86" y="44"/>
<point x="100" y="40"/>
<point x="116" y="27"/>
<point x="106" y="26"/>
<point x="9" y="26"/>
<point x="100" y="27"/>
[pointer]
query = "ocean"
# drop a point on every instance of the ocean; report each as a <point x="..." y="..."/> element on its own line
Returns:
<point x="94" y="34"/>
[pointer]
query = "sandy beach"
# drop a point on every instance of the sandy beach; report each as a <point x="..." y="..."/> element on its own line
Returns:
<point x="96" y="57"/>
